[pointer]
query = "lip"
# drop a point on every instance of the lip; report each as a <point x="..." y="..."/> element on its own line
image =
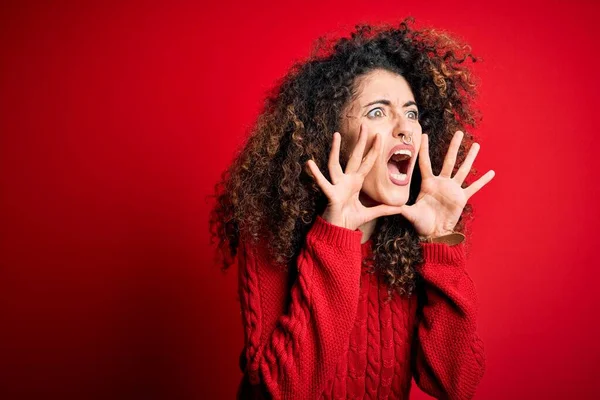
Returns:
<point x="409" y="171"/>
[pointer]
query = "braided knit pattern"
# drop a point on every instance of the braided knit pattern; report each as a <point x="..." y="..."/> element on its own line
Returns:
<point x="336" y="335"/>
<point x="373" y="340"/>
<point x="386" y="345"/>
<point x="401" y="311"/>
<point x="251" y="312"/>
<point x="357" y="357"/>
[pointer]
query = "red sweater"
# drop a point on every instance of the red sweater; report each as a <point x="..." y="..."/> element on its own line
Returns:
<point x="326" y="331"/>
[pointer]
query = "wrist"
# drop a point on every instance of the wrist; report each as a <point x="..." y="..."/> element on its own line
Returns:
<point x="449" y="237"/>
<point x="435" y="234"/>
<point x="335" y="219"/>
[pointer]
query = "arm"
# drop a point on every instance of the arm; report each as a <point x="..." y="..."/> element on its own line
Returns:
<point x="448" y="355"/>
<point x="296" y="354"/>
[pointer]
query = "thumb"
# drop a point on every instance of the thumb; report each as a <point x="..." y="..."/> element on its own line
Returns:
<point x="409" y="212"/>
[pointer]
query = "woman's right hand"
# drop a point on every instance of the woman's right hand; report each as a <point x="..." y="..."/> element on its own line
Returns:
<point x="344" y="208"/>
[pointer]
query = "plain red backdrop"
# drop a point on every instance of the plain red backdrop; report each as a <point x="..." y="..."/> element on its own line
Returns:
<point x="117" y="118"/>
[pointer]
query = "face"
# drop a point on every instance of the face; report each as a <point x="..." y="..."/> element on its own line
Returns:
<point x="384" y="106"/>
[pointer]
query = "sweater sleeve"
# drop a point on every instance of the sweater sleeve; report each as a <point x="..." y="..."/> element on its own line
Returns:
<point x="449" y="358"/>
<point x="291" y="355"/>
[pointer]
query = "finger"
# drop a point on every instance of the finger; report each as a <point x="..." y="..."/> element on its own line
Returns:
<point x="450" y="158"/>
<point x="335" y="169"/>
<point x="479" y="183"/>
<point x="370" y="158"/>
<point x="424" y="161"/>
<point x="318" y="176"/>
<point x="357" y="153"/>
<point x="464" y="169"/>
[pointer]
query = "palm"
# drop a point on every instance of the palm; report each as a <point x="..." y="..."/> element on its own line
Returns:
<point x="442" y="199"/>
<point x="345" y="200"/>
<point x="439" y="204"/>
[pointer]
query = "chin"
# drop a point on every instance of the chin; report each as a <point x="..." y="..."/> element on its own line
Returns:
<point x="392" y="197"/>
<point x="384" y="191"/>
<point x="396" y="201"/>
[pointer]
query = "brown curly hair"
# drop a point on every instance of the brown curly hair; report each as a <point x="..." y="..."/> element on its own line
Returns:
<point x="266" y="196"/>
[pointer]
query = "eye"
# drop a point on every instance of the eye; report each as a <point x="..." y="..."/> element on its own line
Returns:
<point x="376" y="113"/>
<point x="413" y="114"/>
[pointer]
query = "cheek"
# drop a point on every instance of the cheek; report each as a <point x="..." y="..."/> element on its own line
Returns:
<point x="376" y="176"/>
<point x="349" y="143"/>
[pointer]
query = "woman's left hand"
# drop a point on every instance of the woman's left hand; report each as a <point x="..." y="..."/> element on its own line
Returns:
<point x="442" y="199"/>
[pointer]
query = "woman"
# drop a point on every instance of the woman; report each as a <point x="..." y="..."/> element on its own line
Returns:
<point x="352" y="276"/>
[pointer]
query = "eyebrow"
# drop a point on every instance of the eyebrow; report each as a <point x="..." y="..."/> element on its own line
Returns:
<point x="389" y="103"/>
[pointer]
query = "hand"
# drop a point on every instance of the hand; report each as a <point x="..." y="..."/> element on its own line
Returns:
<point x="344" y="208"/>
<point x="442" y="199"/>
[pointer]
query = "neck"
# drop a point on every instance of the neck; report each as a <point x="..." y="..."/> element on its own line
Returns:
<point x="367" y="230"/>
<point x="368" y="227"/>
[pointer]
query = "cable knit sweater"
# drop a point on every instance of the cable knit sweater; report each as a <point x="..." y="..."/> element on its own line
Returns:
<point x="325" y="331"/>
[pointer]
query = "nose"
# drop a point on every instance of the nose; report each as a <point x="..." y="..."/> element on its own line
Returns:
<point x="406" y="138"/>
<point x="403" y="130"/>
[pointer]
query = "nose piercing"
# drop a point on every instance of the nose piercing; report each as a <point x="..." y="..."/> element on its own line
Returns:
<point x="409" y="139"/>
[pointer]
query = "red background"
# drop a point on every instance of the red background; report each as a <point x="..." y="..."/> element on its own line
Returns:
<point x="116" y="120"/>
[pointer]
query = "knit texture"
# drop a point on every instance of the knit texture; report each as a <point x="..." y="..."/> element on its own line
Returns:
<point x="326" y="331"/>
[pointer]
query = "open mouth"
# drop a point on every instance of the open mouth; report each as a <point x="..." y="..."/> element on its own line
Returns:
<point x="398" y="166"/>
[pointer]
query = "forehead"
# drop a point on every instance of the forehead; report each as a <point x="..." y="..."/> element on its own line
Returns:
<point x="382" y="84"/>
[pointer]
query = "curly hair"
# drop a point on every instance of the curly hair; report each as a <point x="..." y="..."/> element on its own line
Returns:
<point x="267" y="197"/>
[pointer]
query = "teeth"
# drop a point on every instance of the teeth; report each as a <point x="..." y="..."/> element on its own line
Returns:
<point x="399" y="176"/>
<point x="403" y="151"/>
